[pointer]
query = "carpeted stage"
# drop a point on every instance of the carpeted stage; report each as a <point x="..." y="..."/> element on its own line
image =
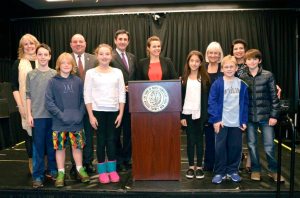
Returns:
<point x="15" y="181"/>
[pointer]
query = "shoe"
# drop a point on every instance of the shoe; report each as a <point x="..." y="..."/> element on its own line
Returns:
<point x="255" y="176"/>
<point x="274" y="177"/>
<point x="60" y="179"/>
<point x="103" y="178"/>
<point x="199" y="174"/>
<point x="114" y="177"/>
<point x="73" y="173"/>
<point x="51" y="175"/>
<point x="84" y="178"/>
<point x="217" y="179"/>
<point x="190" y="173"/>
<point x="37" y="183"/>
<point x="234" y="177"/>
<point x="89" y="168"/>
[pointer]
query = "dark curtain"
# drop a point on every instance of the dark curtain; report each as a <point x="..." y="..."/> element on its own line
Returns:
<point x="57" y="32"/>
<point x="272" y="32"/>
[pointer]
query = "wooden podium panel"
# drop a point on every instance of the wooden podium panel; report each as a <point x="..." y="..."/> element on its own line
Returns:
<point x="155" y="135"/>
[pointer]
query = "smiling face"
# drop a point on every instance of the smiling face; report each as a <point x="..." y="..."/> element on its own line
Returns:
<point x="194" y="63"/>
<point x="252" y="63"/>
<point x="239" y="51"/>
<point x="122" y="42"/>
<point x="229" y="68"/>
<point x="213" y="56"/>
<point x="154" y="49"/>
<point x="104" y="55"/>
<point x="43" y="56"/>
<point x="29" y="47"/>
<point x="78" y="44"/>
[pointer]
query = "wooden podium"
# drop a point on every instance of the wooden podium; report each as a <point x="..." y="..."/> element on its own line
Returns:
<point x="155" y="108"/>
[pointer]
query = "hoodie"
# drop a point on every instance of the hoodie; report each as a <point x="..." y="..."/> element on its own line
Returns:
<point x="64" y="101"/>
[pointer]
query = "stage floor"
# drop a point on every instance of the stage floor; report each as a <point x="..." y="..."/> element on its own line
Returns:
<point x="14" y="177"/>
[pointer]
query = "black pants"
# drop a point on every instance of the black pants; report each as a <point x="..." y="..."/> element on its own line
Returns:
<point x="194" y="133"/>
<point x="106" y="135"/>
<point x="123" y="143"/>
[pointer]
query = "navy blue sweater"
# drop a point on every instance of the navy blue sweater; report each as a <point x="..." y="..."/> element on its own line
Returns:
<point x="64" y="101"/>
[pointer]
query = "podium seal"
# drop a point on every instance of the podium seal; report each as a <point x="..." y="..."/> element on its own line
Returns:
<point x="155" y="98"/>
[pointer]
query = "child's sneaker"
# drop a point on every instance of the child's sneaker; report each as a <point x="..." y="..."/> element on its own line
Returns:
<point x="60" y="179"/>
<point x="114" y="177"/>
<point x="84" y="178"/>
<point x="217" y="179"/>
<point x="234" y="177"/>
<point x="199" y="174"/>
<point x="103" y="178"/>
<point x="37" y="183"/>
<point x="190" y="173"/>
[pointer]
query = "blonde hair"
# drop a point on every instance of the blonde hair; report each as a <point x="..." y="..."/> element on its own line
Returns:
<point x="214" y="46"/>
<point x="69" y="58"/>
<point x="229" y="58"/>
<point x="103" y="45"/>
<point x="29" y="37"/>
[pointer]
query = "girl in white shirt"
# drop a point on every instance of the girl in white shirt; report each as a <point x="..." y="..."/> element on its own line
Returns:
<point x="104" y="95"/>
<point x="195" y="85"/>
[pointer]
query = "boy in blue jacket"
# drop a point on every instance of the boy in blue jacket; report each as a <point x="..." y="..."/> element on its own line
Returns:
<point x="228" y="109"/>
<point x="64" y="101"/>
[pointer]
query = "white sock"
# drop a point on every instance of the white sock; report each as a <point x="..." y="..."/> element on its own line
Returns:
<point x="78" y="168"/>
<point x="62" y="170"/>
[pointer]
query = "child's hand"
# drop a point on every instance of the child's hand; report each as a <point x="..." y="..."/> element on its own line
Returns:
<point x="243" y="128"/>
<point x="217" y="127"/>
<point x="30" y="121"/>
<point x="183" y="122"/>
<point x="118" y="120"/>
<point x="272" y="121"/>
<point x="94" y="122"/>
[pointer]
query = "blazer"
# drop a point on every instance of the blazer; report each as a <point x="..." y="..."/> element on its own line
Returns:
<point x="118" y="63"/>
<point x="167" y="67"/>
<point x="90" y="61"/>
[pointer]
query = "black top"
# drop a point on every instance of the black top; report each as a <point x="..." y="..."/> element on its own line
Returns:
<point x="14" y="75"/>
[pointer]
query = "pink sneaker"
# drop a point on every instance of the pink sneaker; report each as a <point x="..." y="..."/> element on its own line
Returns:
<point x="114" y="177"/>
<point x="103" y="178"/>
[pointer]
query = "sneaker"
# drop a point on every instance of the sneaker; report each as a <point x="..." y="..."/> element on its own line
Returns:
<point x="255" y="176"/>
<point x="60" y="179"/>
<point x="274" y="177"/>
<point x="217" y="179"/>
<point x="199" y="174"/>
<point x="37" y="183"/>
<point x="190" y="173"/>
<point x="84" y="178"/>
<point x="234" y="177"/>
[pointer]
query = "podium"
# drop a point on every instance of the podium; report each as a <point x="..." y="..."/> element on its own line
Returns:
<point x="155" y="108"/>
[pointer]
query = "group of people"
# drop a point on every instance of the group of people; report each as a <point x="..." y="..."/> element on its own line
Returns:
<point x="236" y="96"/>
<point x="89" y="93"/>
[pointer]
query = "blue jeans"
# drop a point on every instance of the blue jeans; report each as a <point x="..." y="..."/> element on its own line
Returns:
<point x="268" y="142"/>
<point x="42" y="144"/>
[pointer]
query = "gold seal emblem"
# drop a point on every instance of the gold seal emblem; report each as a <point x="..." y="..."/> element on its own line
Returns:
<point x="155" y="98"/>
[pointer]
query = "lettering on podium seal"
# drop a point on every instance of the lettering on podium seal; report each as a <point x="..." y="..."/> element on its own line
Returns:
<point x="155" y="98"/>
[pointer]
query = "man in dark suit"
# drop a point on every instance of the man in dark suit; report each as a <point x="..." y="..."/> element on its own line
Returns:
<point x="84" y="61"/>
<point x="127" y="63"/>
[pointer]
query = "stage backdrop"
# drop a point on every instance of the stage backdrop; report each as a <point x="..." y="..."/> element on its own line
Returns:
<point x="273" y="32"/>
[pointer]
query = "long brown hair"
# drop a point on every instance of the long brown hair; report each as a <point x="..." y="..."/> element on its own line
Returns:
<point x="202" y="74"/>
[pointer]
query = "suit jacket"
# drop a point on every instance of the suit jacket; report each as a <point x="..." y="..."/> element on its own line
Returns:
<point x="118" y="63"/>
<point x="90" y="61"/>
<point x="167" y="67"/>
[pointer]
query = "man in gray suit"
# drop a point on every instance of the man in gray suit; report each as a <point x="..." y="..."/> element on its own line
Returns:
<point x="127" y="63"/>
<point x="84" y="62"/>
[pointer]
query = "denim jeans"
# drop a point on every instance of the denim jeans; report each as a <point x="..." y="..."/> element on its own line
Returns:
<point x="268" y="142"/>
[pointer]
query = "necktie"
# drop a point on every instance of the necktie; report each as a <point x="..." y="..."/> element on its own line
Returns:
<point x="80" y="68"/>
<point x="124" y="61"/>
